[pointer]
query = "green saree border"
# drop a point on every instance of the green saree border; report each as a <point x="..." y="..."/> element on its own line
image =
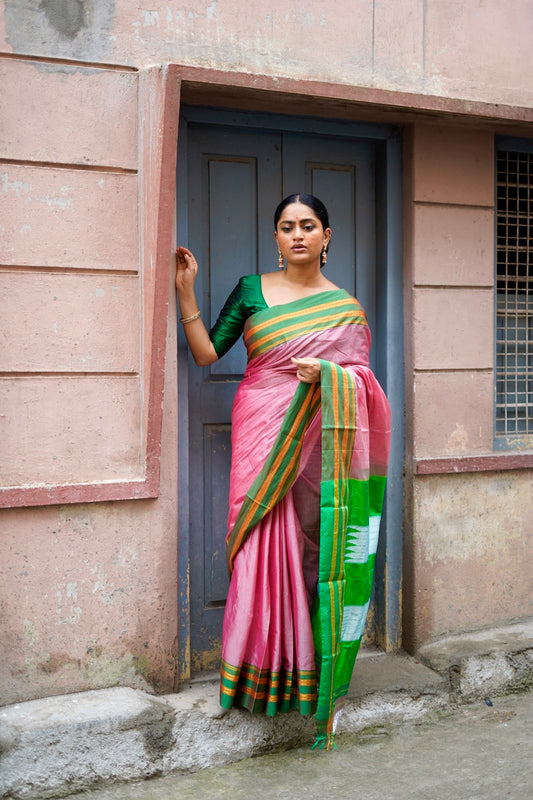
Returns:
<point x="276" y="325"/>
<point x="339" y="421"/>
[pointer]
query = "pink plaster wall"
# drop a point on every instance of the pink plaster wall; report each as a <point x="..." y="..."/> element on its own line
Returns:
<point x="66" y="218"/>
<point x="480" y="48"/>
<point x="453" y="166"/>
<point x="452" y="328"/>
<point x="450" y="414"/>
<point x="473" y="49"/>
<point x="65" y="322"/>
<point x="62" y="430"/>
<point x="71" y="371"/>
<point x="85" y="116"/>
<point x="454" y="245"/>
<point x="449" y="303"/>
<point x="467" y="537"/>
<point x="88" y="593"/>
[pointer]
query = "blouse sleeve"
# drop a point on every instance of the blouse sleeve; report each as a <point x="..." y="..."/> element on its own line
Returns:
<point x="230" y="323"/>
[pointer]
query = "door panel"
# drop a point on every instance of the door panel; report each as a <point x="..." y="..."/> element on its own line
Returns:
<point x="234" y="183"/>
<point x="341" y="172"/>
<point x="236" y="178"/>
<point x="233" y="178"/>
<point x="217" y="449"/>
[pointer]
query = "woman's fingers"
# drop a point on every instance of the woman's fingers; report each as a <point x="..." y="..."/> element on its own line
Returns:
<point x="184" y="258"/>
<point x="186" y="268"/>
<point x="307" y="369"/>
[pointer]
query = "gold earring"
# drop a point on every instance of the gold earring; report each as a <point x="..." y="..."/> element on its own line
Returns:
<point x="324" y="255"/>
<point x="280" y="259"/>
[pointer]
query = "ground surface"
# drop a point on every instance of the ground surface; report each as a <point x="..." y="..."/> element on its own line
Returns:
<point x="477" y="752"/>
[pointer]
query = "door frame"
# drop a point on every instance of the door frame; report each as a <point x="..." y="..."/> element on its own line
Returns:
<point x="389" y="350"/>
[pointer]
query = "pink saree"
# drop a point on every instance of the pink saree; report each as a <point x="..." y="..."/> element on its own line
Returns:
<point x="307" y="482"/>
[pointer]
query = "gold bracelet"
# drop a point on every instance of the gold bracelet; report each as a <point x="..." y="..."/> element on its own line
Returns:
<point x="190" y="319"/>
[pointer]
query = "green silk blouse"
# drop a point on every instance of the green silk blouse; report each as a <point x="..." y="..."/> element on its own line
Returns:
<point x="245" y="300"/>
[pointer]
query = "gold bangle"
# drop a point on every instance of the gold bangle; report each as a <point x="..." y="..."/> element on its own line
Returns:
<point x="190" y="319"/>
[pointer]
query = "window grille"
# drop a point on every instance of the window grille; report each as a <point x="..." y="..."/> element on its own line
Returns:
<point x="514" y="295"/>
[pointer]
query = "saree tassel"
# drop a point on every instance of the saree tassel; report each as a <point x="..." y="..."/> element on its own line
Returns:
<point x="325" y="741"/>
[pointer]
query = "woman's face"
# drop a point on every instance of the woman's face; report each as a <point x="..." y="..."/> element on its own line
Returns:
<point x="300" y="235"/>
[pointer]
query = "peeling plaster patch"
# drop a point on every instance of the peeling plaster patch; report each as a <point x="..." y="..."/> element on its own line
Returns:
<point x="150" y="19"/>
<point x="24" y="188"/>
<point x="75" y="29"/>
<point x="68" y="17"/>
<point x="458" y="439"/>
<point x="78" y="521"/>
<point x="56" y="661"/>
<point x="108" y="593"/>
<point x="67" y="611"/>
<point x="211" y="9"/>
<point x="18" y="187"/>
<point x="126" y="555"/>
<point x="30" y="632"/>
<point x="464" y="518"/>
<point x="59" y="201"/>
<point x="104" y="670"/>
<point x="72" y="590"/>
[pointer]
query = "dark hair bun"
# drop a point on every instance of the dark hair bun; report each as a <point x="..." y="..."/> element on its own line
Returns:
<point x="308" y="200"/>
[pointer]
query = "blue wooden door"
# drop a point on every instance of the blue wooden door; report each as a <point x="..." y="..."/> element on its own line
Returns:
<point x="235" y="178"/>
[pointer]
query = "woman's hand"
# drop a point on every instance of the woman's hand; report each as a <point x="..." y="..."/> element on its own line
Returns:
<point x="307" y="369"/>
<point x="195" y="331"/>
<point x="186" y="269"/>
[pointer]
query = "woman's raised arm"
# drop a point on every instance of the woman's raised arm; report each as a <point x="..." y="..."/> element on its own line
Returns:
<point x="195" y="331"/>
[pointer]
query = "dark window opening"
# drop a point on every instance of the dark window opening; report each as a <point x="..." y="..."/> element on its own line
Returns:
<point x="514" y="294"/>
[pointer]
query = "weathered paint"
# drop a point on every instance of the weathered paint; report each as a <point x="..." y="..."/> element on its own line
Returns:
<point x="70" y="323"/>
<point x="59" y="430"/>
<point x="87" y="116"/>
<point x="473" y="553"/>
<point x="453" y="166"/>
<point x="66" y="218"/>
<point x="467" y="536"/>
<point x="89" y="602"/>
<point x="454" y="245"/>
<point x="74" y="30"/>
<point x="428" y="47"/>
<point x="489" y="462"/>
<point x="444" y="425"/>
<point x="453" y="328"/>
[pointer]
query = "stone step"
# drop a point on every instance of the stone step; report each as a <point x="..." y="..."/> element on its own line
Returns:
<point x="60" y="745"/>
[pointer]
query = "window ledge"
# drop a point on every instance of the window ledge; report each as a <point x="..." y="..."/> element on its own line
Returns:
<point x="491" y="462"/>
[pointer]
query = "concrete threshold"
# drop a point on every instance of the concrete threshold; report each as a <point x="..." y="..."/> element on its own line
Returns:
<point x="60" y="745"/>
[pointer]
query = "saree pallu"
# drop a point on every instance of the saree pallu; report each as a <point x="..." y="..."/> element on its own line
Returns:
<point x="306" y="490"/>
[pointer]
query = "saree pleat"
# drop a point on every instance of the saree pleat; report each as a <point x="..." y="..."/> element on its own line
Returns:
<point x="267" y="630"/>
<point x="307" y="482"/>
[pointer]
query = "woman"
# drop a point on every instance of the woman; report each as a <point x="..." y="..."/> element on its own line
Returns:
<point x="310" y="443"/>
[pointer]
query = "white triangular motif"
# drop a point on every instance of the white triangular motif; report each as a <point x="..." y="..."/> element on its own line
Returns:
<point x="356" y="550"/>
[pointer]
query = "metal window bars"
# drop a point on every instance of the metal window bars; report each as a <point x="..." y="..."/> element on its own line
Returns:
<point x="514" y="297"/>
